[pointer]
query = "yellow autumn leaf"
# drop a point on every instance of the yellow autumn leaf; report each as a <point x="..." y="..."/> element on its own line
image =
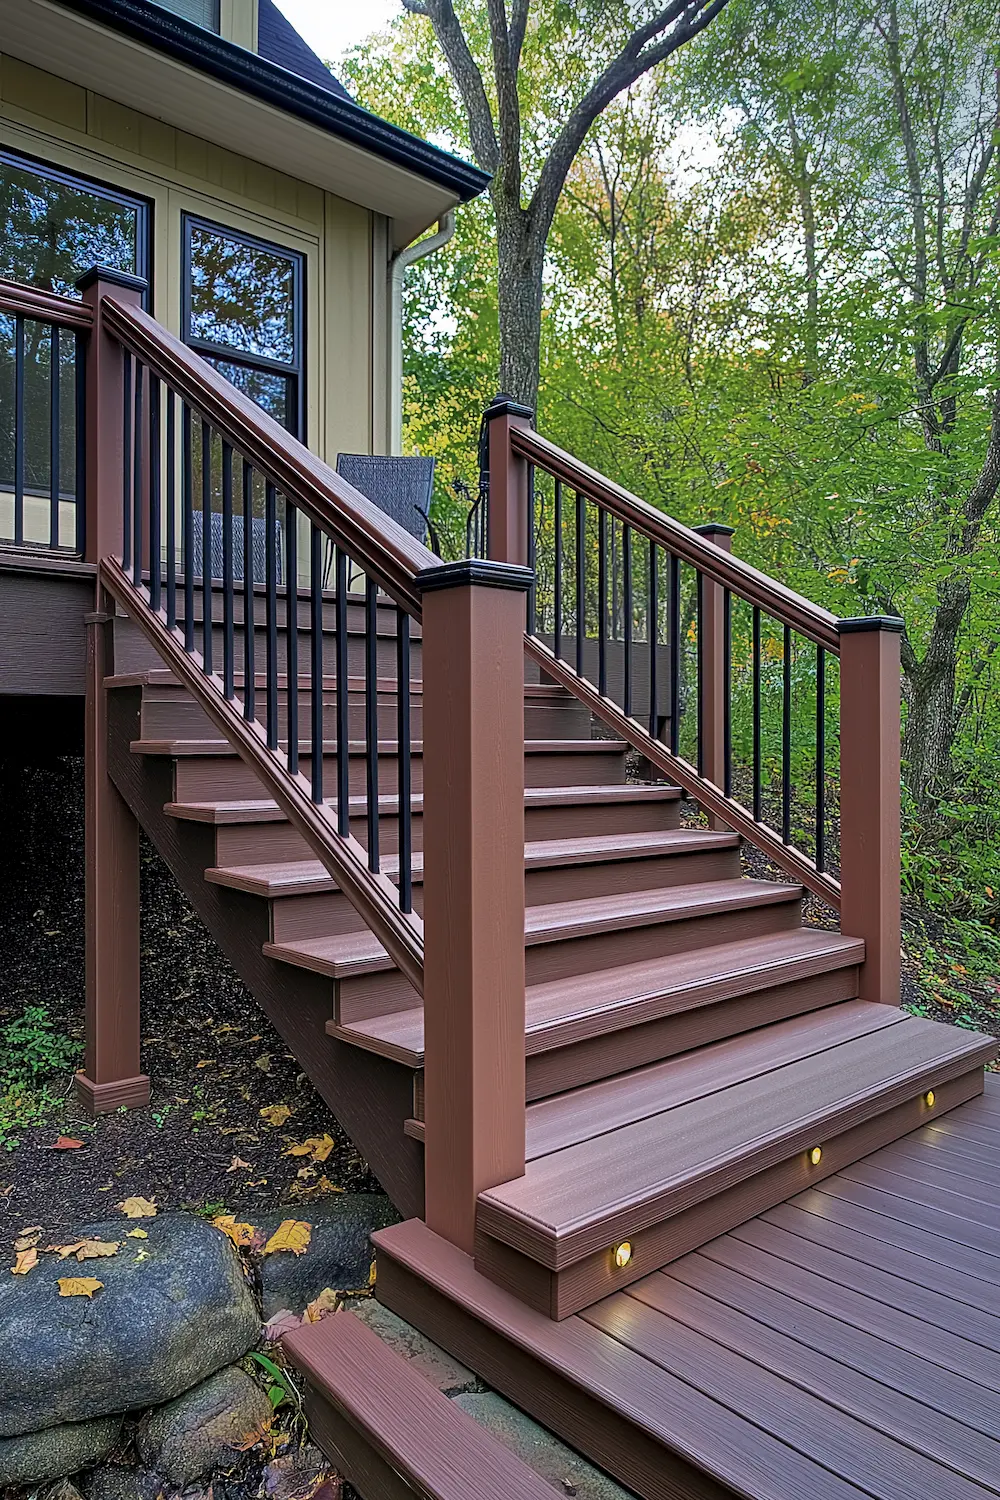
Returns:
<point x="137" y="1234"/>
<point x="371" y="1273"/>
<point x="240" y="1234"/>
<point x="275" y="1114"/>
<point x="318" y="1147"/>
<point x="26" y="1261"/>
<point x="98" y="1249"/>
<point x="291" y="1234"/>
<point x="138" y="1208"/>
<point x="327" y="1302"/>
<point x="79" y="1286"/>
<point x="64" y="1251"/>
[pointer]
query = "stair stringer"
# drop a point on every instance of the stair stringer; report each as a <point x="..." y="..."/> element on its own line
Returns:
<point x="370" y="1096"/>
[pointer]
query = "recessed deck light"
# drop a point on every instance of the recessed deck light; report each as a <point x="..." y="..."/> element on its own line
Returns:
<point x="623" y="1254"/>
<point x="929" y="1098"/>
<point x="816" y="1155"/>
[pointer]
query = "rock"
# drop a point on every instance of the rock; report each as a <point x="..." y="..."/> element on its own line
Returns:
<point x="339" y="1254"/>
<point x="112" y="1482"/>
<point x="206" y="1428"/>
<point x="432" y="1362"/>
<point x="57" y="1451"/>
<point x="174" y="1307"/>
<point x="565" y="1470"/>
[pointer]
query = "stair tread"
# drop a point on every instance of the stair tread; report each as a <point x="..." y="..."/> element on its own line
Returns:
<point x="567" y="919"/>
<point x="358" y="747"/>
<point x="287" y="877"/>
<point x="262" y="810"/>
<point x="709" y="1119"/>
<point x="563" y="1011"/>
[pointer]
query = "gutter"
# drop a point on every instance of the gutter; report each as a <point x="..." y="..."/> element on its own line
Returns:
<point x="397" y="266"/>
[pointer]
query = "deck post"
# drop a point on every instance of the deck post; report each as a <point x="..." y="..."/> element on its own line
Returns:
<point x="869" y="798"/>
<point x="111" y="1074"/>
<point x="507" y="516"/>
<point x="474" y="1078"/>
<point x="714" y="687"/>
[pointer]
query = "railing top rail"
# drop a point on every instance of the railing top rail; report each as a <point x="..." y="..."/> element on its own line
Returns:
<point x="375" y="543"/>
<point x="47" y="307"/>
<point x="791" y="609"/>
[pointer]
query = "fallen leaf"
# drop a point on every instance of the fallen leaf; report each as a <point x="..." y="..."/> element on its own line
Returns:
<point x="64" y="1251"/>
<point x="25" y="1242"/>
<point x="291" y="1234"/>
<point x="318" y="1147"/>
<point x="281" y="1323"/>
<point x="371" y="1272"/>
<point x="79" y="1286"/>
<point x="138" y="1208"/>
<point x="236" y="1163"/>
<point x="26" y="1261"/>
<point x="31" y="1229"/>
<point x="137" y="1234"/>
<point x="242" y="1235"/>
<point x="264" y="1063"/>
<point x="206" y="1062"/>
<point x="98" y="1249"/>
<point x="327" y="1302"/>
<point x="275" y="1114"/>
<point x="66" y="1143"/>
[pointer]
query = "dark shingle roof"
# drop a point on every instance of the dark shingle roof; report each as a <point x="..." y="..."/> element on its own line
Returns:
<point x="280" y="43"/>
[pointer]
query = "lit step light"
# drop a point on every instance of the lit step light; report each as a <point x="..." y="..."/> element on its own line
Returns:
<point x="816" y="1155"/>
<point x="623" y="1254"/>
<point x="929" y="1098"/>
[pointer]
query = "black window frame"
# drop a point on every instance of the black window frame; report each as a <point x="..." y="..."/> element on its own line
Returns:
<point x="294" y="371"/>
<point x="81" y="182"/>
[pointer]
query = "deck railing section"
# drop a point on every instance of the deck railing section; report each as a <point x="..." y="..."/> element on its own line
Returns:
<point x="42" y="420"/>
<point x="778" y="719"/>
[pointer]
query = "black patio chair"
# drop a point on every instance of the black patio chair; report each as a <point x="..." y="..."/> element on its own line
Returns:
<point x="259" y="546"/>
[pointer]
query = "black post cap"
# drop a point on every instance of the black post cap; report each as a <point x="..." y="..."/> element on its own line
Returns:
<point x="505" y="406"/>
<point x="123" y="279"/>
<point x="475" y="571"/>
<point x="714" y="528"/>
<point x="854" y="626"/>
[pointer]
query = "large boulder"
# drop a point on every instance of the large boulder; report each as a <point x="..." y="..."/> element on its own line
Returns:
<point x="57" y="1451"/>
<point x="339" y="1254"/>
<point x="173" y="1308"/>
<point x="206" y="1428"/>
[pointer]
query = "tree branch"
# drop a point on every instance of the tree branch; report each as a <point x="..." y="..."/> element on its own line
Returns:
<point x="465" y="71"/>
<point x="508" y="103"/>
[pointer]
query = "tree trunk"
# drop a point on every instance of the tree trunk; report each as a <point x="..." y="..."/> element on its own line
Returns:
<point x="931" y="720"/>
<point x="520" y="302"/>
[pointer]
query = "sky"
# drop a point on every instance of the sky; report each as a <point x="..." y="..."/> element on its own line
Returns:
<point x="331" y="26"/>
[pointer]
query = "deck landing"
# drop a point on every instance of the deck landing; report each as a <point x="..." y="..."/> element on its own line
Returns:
<point x="843" y="1344"/>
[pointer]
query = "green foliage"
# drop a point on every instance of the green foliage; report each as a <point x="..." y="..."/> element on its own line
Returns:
<point x="33" y="1056"/>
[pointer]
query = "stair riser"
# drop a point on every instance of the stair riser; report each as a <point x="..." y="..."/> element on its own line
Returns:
<point x="226" y="778"/>
<point x="367" y="995"/>
<point x="584" y="955"/>
<point x="274" y="843"/>
<point x="593" y="819"/>
<point x="309" y="916"/>
<point x="587" y="1280"/>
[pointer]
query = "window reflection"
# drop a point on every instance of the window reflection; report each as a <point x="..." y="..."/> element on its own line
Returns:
<point x="266" y="387"/>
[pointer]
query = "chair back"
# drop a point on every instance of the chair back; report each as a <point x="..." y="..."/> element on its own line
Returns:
<point x="400" y="487"/>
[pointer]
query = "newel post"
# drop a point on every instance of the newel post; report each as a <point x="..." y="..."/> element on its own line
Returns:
<point x="507" y="516"/>
<point x="713" y="726"/>
<point x="111" y="1074"/>
<point x="869" y="798"/>
<point x="473" y="714"/>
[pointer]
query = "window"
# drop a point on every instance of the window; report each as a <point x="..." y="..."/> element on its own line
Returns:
<point x="243" y="312"/>
<point x="201" y="12"/>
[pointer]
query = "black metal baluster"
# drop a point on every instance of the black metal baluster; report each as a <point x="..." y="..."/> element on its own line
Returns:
<point x="187" y="523"/>
<point x="676" y="647"/>
<point x="18" y="431"/>
<point x="371" y="718"/>
<point x="80" y="488"/>
<point x="249" y="599"/>
<point x="343" y="703"/>
<point x="137" y="476"/>
<point x="316" y="659"/>
<point x="627" y="588"/>
<point x="171" y="504"/>
<point x="820" y="759"/>
<point x="756" y="713"/>
<point x="207" y="549"/>
<point x="786" y="735"/>
<point x="403" y="751"/>
<point x="581" y="581"/>
<point x="155" y="479"/>
<point x="228" y="606"/>
<point x="127" y="461"/>
<point x="652" y="632"/>
<point x="271" y="611"/>
<point x="55" y="434"/>
<point x="557" y="623"/>
<point x="602" y="601"/>
<point x="699" y="605"/>
<point x="292" y="632"/>
<point x="532" y="553"/>
<point x="727" y="692"/>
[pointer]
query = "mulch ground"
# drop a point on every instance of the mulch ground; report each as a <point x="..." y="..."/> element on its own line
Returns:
<point x="214" y="1060"/>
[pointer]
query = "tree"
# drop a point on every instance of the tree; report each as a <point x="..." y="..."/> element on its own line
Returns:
<point x="637" y="37"/>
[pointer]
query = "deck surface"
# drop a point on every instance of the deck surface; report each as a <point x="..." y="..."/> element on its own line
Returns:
<point x="859" y="1323"/>
<point x="843" y="1344"/>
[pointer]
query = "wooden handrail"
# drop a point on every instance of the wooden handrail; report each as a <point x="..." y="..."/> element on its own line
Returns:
<point x="48" y="307"/>
<point x="783" y="604"/>
<point x="344" y="859"/>
<point x="376" y="544"/>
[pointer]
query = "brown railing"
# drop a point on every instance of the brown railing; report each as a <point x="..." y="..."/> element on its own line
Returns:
<point x="723" y="678"/>
<point x="42" y="419"/>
